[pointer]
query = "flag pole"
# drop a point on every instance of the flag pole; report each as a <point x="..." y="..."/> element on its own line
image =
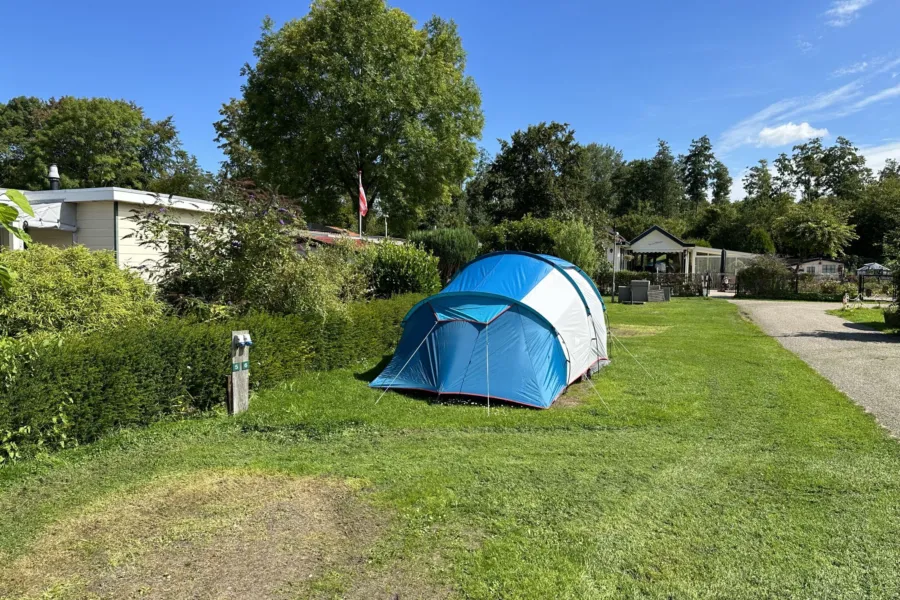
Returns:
<point x="359" y="204"/>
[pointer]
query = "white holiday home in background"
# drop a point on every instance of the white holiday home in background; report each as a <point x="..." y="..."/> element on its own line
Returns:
<point x="98" y="218"/>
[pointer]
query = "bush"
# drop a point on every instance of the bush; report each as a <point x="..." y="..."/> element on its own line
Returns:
<point x="769" y="277"/>
<point x="527" y="235"/>
<point x="401" y="269"/>
<point x="765" y="277"/>
<point x="892" y="316"/>
<point x="57" y="393"/>
<point x="569" y="240"/>
<point x="71" y="289"/>
<point x="453" y="247"/>
<point x="574" y="242"/>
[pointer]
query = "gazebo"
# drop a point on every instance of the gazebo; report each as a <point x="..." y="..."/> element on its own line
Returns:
<point x="873" y="270"/>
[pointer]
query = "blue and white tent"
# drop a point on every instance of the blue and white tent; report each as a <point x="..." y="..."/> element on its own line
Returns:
<point x="513" y="326"/>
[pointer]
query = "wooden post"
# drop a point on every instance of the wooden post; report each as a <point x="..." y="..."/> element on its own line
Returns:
<point x="239" y="380"/>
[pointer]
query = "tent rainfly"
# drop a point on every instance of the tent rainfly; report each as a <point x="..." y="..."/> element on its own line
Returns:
<point x="512" y="326"/>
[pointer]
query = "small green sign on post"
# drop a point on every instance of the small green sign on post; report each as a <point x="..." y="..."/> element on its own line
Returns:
<point x="239" y="378"/>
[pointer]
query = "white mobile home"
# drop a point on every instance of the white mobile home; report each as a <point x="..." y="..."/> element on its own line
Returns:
<point x="98" y="218"/>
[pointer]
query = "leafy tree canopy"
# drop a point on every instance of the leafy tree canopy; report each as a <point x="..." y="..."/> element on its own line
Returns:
<point x="816" y="228"/>
<point x="539" y="171"/>
<point x="95" y="142"/>
<point x="355" y="86"/>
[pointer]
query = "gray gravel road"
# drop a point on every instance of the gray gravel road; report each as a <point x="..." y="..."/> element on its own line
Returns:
<point x="861" y="362"/>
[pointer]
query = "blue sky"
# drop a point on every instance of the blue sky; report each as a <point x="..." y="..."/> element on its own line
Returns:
<point x="756" y="77"/>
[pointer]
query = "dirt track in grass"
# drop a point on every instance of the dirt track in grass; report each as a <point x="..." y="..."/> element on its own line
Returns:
<point x="208" y="535"/>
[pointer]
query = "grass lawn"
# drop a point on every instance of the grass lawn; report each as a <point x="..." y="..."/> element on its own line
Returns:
<point x="731" y="470"/>
<point x="872" y="317"/>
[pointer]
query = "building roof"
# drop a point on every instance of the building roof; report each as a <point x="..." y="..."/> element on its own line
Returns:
<point x="797" y="261"/>
<point x="662" y="231"/>
<point x="117" y="194"/>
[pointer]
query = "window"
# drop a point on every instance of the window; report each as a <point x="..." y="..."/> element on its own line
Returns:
<point x="811" y="269"/>
<point x="829" y="269"/>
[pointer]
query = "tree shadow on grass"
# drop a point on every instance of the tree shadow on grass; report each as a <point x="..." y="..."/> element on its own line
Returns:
<point x="859" y="333"/>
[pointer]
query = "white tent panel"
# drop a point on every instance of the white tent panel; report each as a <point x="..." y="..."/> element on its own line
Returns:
<point x="557" y="301"/>
<point x="597" y="315"/>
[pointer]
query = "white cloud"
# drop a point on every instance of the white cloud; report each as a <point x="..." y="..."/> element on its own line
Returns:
<point x="804" y="46"/>
<point x="748" y="131"/>
<point x="788" y="133"/>
<point x="876" y="156"/>
<point x="891" y="92"/>
<point x="844" y="12"/>
<point x="851" y="69"/>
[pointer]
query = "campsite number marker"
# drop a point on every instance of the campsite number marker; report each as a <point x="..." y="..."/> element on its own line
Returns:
<point x="239" y="378"/>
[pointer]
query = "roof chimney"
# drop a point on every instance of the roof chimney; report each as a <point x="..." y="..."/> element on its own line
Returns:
<point x="54" y="177"/>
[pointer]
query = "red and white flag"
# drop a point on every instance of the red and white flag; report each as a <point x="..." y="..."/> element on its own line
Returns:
<point x="363" y="203"/>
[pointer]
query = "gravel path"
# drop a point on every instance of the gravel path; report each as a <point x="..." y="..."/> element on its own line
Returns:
<point x="861" y="362"/>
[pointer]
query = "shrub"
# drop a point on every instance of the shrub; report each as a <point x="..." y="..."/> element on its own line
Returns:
<point x="239" y="258"/>
<point x="454" y="247"/>
<point x="892" y="316"/>
<point x="71" y="289"/>
<point x="401" y="269"/>
<point x="769" y="277"/>
<point x="766" y="276"/>
<point x="55" y="393"/>
<point x="569" y="240"/>
<point x="574" y="242"/>
<point x="528" y="235"/>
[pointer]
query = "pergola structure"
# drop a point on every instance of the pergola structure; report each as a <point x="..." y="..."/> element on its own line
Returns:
<point x="693" y="259"/>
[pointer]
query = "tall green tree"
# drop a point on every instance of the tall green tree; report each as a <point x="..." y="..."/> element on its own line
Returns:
<point x="874" y="215"/>
<point x="845" y="173"/>
<point x="20" y="120"/>
<point x="891" y="170"/>
<point x="355" y="86"/>
<point x="758" y="182"/>
<point x="539" y="171"/>
<point x="698" y="167"/>
<point x="809" y="168"/>
<point x="241" y="162"/>
<point x="665" y="183"/>
<point x="601" y="163"/>
<point x="95" y="142"/>
<point x="816" y="228"/>
<point x="784" y="181"/>
<point x="721" y="183"/>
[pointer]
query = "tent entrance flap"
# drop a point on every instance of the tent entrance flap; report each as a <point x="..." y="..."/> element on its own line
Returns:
<point x="519" y="360"/>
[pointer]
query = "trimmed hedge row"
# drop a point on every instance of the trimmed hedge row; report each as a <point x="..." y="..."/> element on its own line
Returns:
<point x="90" y="385"/>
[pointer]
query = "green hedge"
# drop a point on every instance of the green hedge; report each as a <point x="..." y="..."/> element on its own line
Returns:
<point x="54" y="394"/>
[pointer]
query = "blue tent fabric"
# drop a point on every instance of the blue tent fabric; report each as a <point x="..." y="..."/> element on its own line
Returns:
<point x="476" y="337"/>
